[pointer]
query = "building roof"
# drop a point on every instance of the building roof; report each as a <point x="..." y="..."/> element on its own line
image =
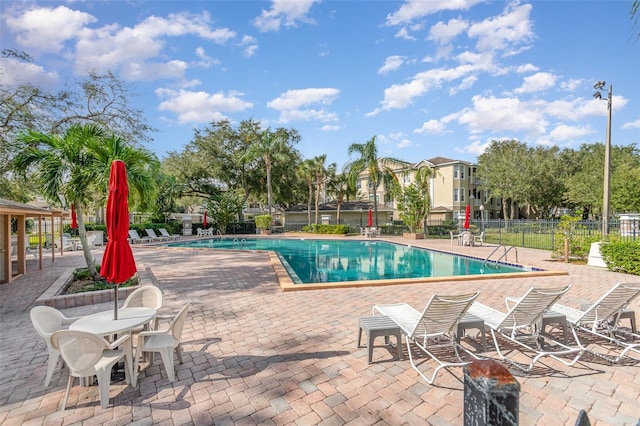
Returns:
<point x="14" y="207"/>
<point x="439" y="161"/>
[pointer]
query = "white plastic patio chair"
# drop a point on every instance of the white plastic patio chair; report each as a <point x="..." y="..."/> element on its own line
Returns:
<point x="87" y="355"/>
<point x="478" y="239"/>
<point x="602" y="318"/>
<point x="523" y="324"/>
<point x="90" y="240"/>
<point x="47" y="320"/>
<point x="148" y="296"/>
<point x="434" y="327"/>
<point x="165" y="342"/>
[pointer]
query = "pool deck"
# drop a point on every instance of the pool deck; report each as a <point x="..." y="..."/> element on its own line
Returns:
<point x="254" y="354"/>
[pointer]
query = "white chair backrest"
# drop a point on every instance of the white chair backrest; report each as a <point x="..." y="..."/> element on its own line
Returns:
<point x="612" y="303"/>
<point x="530" y="308"/>
<point x="46" y="320"/>
<point x="151" y="233"/>
<point x="442" y="313"/>
<point x="164" y="232"/>
<point x="177" y="324"/>
<point x="80" y="350"/>
<point x="148" y="296"/>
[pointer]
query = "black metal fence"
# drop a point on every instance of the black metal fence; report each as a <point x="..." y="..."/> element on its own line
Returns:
<point x="538" y="234"/>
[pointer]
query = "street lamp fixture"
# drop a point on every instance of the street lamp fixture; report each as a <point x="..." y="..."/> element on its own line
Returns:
<point x="481" y="217"/>
<point x="607" y="156"/>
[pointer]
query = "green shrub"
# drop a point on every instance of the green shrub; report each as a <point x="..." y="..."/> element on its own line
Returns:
<point x="327" y="229"/>
<point x="263" y="221"/>
<point x="579" y="244"/>
<point x="622" y="256"/>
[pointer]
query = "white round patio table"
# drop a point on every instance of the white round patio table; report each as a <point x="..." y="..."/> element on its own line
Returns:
<point x="103" y="324"/>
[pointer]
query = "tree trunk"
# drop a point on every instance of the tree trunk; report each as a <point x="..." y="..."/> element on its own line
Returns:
<point x="86" y="250"/>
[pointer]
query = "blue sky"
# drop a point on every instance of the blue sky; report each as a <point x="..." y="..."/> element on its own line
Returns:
<point x="428" y="78"/>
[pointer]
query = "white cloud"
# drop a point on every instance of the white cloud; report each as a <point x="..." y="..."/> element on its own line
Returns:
<point x="250" y="45"/>
<point x="564" y="132"/>
<point x="444" y="33"/>
<point x="392" y="63"/>
<point x="537" y="83"/>
<point x="632" y="124"/>
<point x="510" y="32"/>
<point x="503" y="114"/>
<point x="416" y="9"/>
<point x="476" y="147"/>
<point x="46" y="29"/>
<point x="572" y="84"/>
<point x="526" y="68"/>
<point x="292" y="104"/>
<point x="284" y="12"/>
<point x="404" y="143"/>
<point x="404" y="33"/>
<point x="330" y="128"/>
<point x="14" y="73"/>
<point x="431" y="127"/>
<point x="201" y="107"/>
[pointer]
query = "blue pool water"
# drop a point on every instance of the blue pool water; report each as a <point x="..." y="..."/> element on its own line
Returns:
<point x="318" y="261"/>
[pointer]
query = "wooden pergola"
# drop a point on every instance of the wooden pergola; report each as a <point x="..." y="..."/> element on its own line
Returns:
<point x="20" y="212"/>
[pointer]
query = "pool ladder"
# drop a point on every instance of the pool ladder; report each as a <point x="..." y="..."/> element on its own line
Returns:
<point x="239" y="244"/>
<point x="503" y="256"/>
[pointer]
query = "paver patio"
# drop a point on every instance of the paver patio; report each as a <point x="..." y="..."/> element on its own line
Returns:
<point x="256" y="355"/>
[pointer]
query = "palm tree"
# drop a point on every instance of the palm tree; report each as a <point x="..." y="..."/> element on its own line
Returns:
<point x="341" y="187"/>
<point x="378" y="169"/>
<point x="269" y="148"/>
<point x="76" y="165"/>
<point x="306" y="173"/>
<point x="321" y="173"/>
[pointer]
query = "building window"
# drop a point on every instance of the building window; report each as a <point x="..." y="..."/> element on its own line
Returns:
<point x="456" y="191"/>
<point x="462" y="171"/>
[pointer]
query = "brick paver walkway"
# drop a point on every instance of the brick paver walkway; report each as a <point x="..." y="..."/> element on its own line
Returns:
<point x="256" y="355"/>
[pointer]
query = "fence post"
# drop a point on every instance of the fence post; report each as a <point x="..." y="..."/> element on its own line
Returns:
<point x="491" y="395"/>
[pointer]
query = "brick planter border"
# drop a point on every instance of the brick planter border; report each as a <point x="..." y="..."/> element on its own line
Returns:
<point x="63" y="301"/>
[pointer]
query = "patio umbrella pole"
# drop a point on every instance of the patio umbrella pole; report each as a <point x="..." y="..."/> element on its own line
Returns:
<point x="115" y="299"/>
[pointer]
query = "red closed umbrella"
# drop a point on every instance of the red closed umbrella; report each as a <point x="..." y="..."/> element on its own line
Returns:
<point x="204" y="222"/>
<point x="118" y="264"/>
<point x="74" y="219"/>
<point x="370" y="219"/>
<point x="467" y="215"/>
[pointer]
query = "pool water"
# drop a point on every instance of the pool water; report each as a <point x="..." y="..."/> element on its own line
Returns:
<point x="326" y="261"/>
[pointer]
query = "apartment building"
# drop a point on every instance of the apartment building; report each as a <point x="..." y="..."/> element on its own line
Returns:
<point x="453" y="186"/>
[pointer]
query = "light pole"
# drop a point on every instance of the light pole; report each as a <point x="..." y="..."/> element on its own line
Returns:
<point x="607" y="157"/>
<point x="481" y="217"/>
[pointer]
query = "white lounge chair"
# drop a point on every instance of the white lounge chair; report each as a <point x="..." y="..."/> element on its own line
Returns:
<point x="134" y="237"/>
<point x="154" y="237"/>
<point x="602" y="318"/>
<point x="434" y="327"/>
<point x="522" y="324"/>
<point x="168" y="236"/>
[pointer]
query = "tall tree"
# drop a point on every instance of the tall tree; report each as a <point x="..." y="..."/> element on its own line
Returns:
<point x="76" y="165"/>
<point x="97" y="98"/>
<point x="500" y="171"/>
<point x="377" y="168"/>
<point x="341" y="187"/>
<point x="306" y="173"/>
<point x="269" y="148"/>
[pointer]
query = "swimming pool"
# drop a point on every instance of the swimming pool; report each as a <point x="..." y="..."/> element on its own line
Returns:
<point x="310" y="261"/>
